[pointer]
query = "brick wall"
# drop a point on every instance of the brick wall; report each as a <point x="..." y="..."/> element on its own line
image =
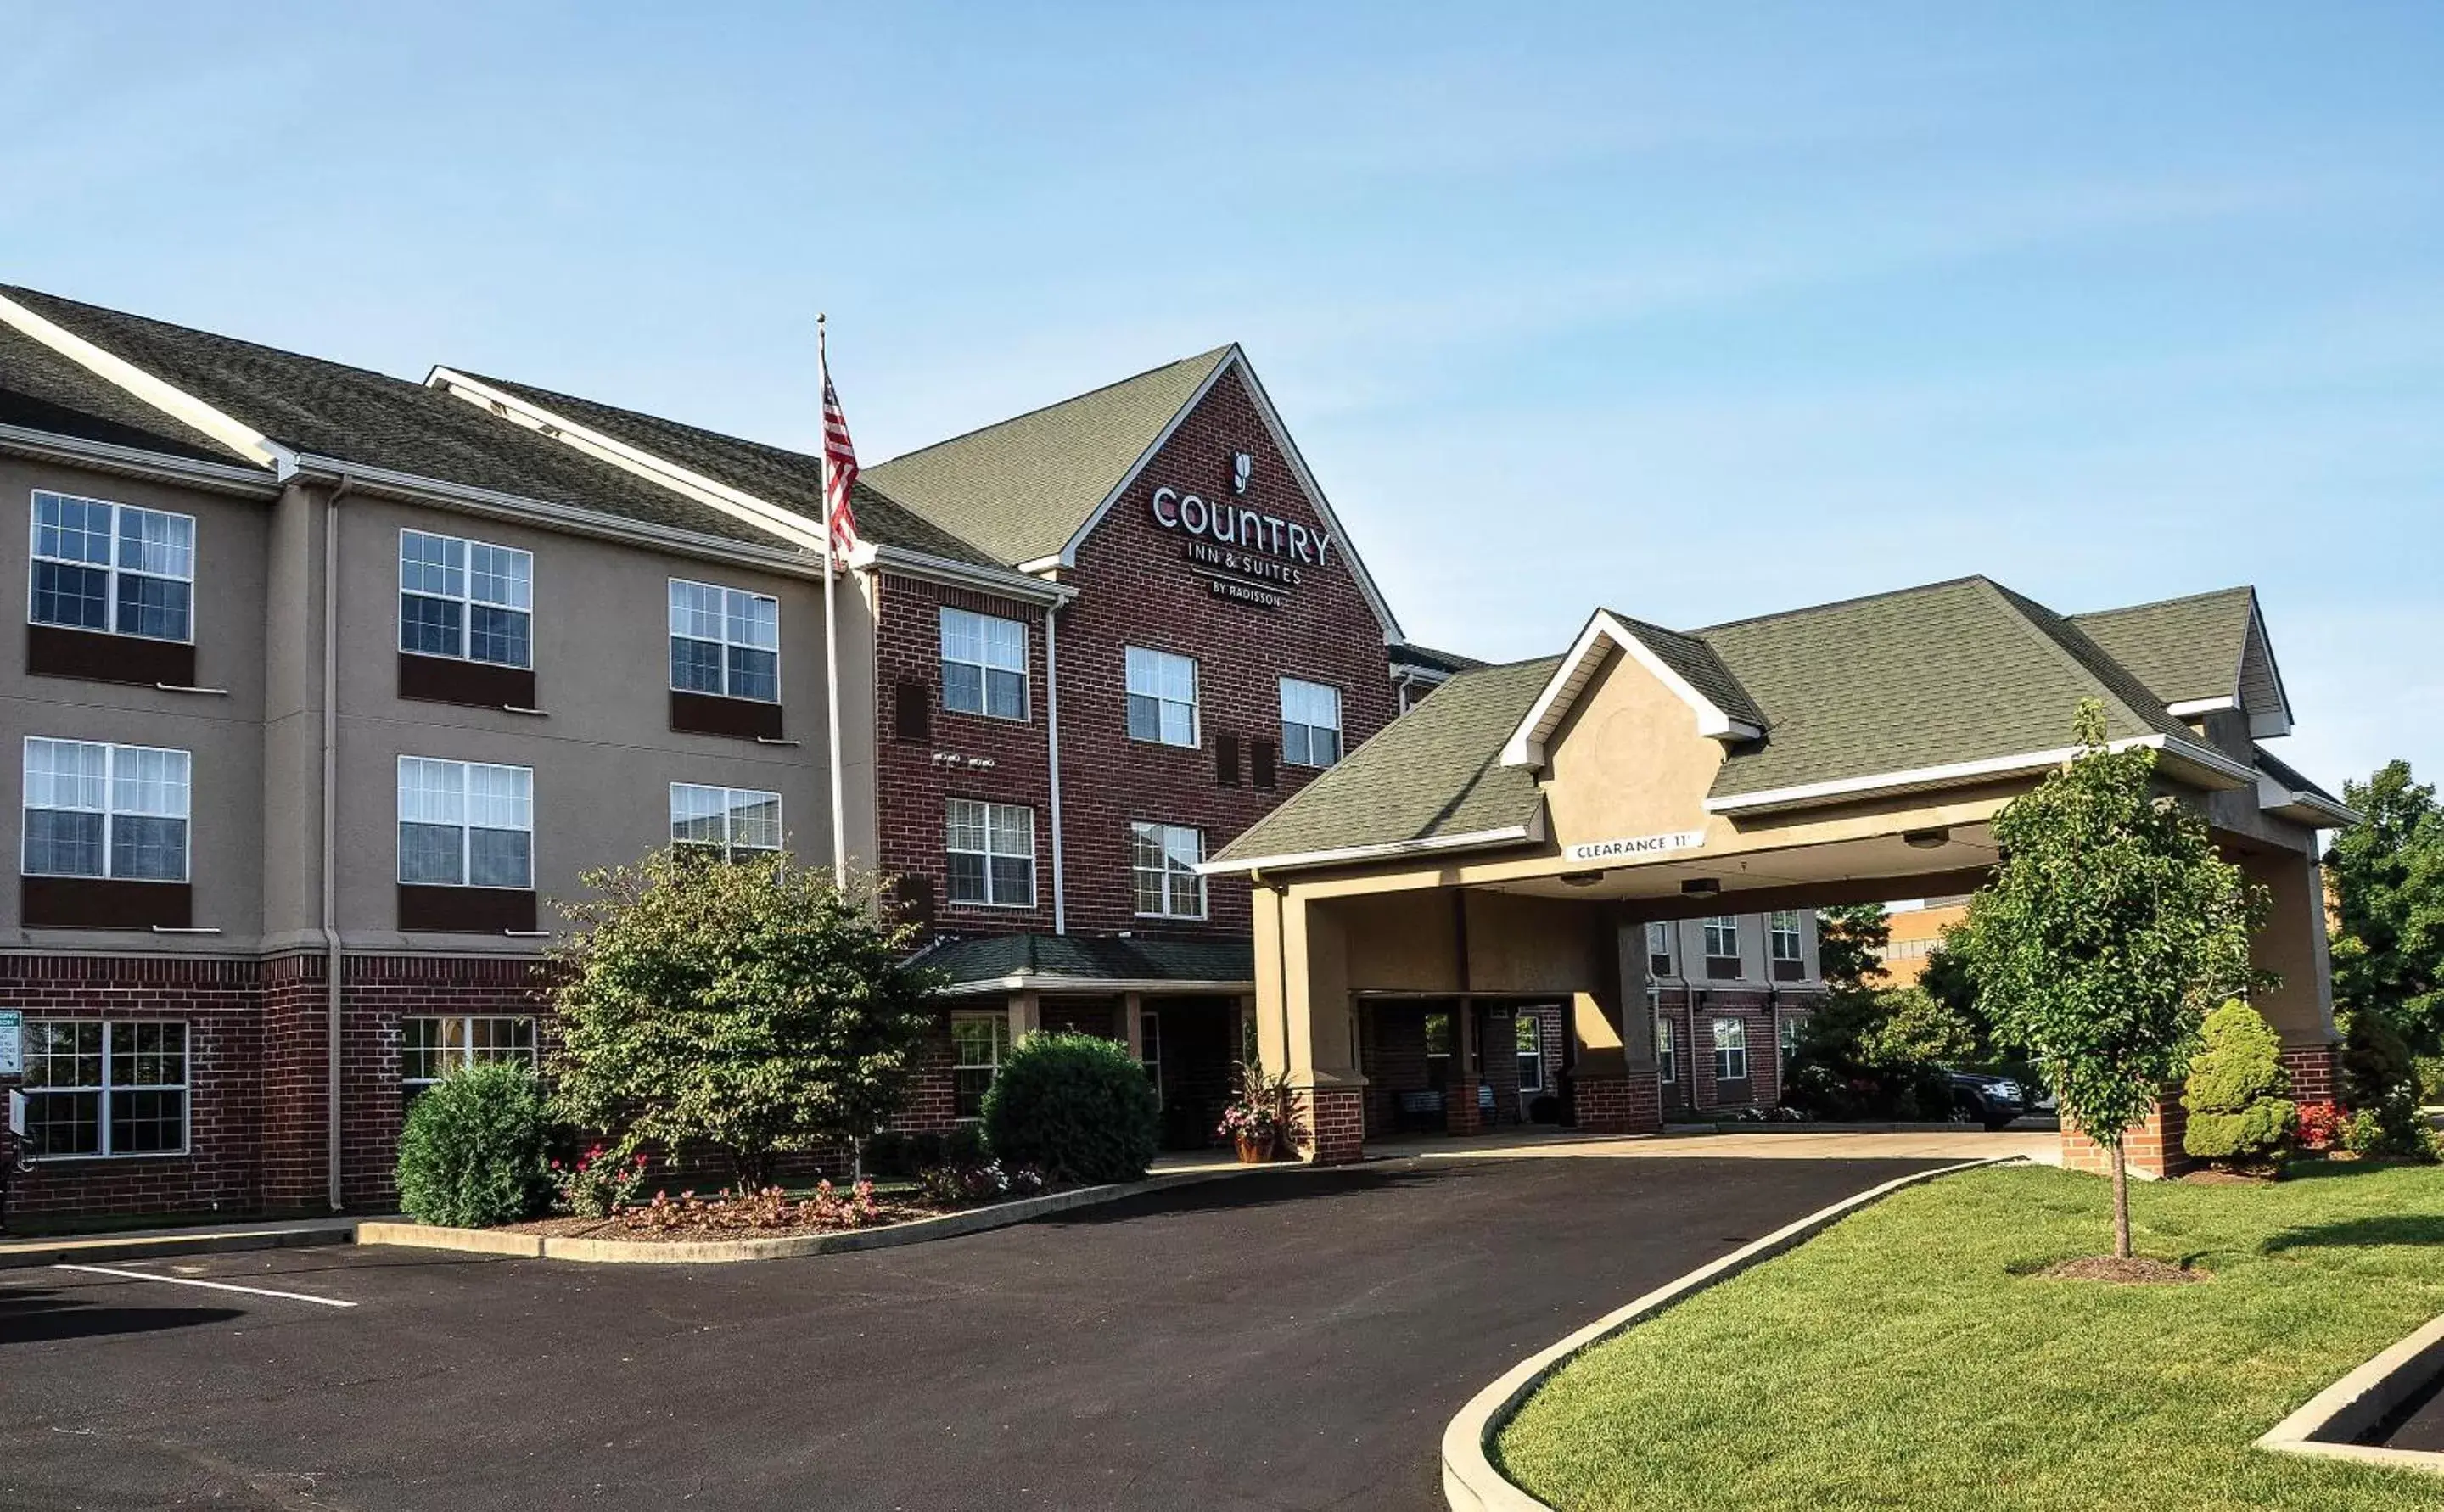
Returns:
<point x="2152" y="1149"/>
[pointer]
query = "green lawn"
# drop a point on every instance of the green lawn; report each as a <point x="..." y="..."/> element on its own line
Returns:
<point x="1906" y="1359"/>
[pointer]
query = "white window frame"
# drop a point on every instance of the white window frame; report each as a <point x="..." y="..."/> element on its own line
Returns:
<point x="1777" y="932"/>
<point x="989" y="854"/>
<point x="999" y="1020"/>
<point x="1663" y="940"/>
<point x="113" y="570"/>
<point x="986" y="667"/>
<point x="1730" y="1050"/>
<point x="1339" y="745"/>
<point x="1165" y="837"/>
<point x="1533" y="1054"/>
<point x="107" y="1088"/>
<point x="1150" y="1050"/>
<point x="727" y="643"/>
<point x="728" y="801"/>
<point x="109" y="810"/>
<point x="1157" y="662"/>
<point x="464" y="1054"/>
<point x="1666" y="1057"/>
<point x="1723" y="938"/>
<point x="464" y="599"/>
<point x="1787" y="1044"/>
<point x="465" y="824"/>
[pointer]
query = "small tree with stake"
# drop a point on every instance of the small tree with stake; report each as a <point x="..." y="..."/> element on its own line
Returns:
<point x="2109" y="926"/>
<point x="750" y="1006"/>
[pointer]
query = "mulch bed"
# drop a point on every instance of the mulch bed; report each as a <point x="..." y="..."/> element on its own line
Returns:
<point x="2227" y="1178"/>
<point x="2137" y="1271"/>
<point x="791" y="1227"/>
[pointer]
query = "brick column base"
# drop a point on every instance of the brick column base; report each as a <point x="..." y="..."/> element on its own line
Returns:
<point x="2153" y="1147"/>
<point x="2312" y="1072"/>
<point x="1332" y="1124"/>
<point x="1461" y="1114"/>
<point x="1619" y="1105"/>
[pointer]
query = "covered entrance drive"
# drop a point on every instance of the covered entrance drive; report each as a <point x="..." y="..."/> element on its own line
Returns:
<point x="1508" y="839"/>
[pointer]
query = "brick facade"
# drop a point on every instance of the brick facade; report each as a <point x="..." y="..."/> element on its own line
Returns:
<point x="1331" y="1125"/>
<point x="1692" y="1087"/>
<point x="2150" y="1150"/>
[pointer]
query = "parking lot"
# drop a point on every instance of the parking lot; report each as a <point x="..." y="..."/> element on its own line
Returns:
<point x="1291" y="1340"/>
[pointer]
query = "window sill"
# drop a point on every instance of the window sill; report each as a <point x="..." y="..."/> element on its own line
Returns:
<point x="103" y="903"/>
<point x="1167" y="745"/>
<point x="94" y="656"/>
<point x="111" y="1159"/>
<point x="1027" y="718"/>
<point x="467" y="684"/>
<point x="718" y="714"/>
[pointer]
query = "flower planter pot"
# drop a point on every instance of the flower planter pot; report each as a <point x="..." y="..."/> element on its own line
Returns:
<point x="1255" y="1150"/>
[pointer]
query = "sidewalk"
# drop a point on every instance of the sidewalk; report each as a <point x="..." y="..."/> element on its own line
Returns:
<point x="1787" y="1142"/>
<point x="20" y="1251"/>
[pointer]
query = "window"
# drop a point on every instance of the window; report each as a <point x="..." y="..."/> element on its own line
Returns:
<point x="984" y="665"/>
<point x="94" y="1088"/>
<point x="465" y="824"/>
<point x="1310" y="723"/>
<point x="465" y="599"/>
<point x="1789" y="1038"/>
<point x="430" y="1049"/>
<point x="1162" y="697"/>
<point x="1723" y="935"/>
<point x="1438" y="1034"/>
<point x="1665" y="1064"/>
<point x="112" y="567"/>
<point x="993" y="854"/>
<point x="978" y="1040"/>
<point x="1163" y="870"/>
<point x="1785" y="935"/>
<point x="1531" y="1038"/>
<point x="1659" y="950"/>
<point x="725" y="642"/>
<point x="734" y="821"/>
<point x="1730" y="1050"/>
<point x="106" y="811"/>
<point x="1150" y="1050"/>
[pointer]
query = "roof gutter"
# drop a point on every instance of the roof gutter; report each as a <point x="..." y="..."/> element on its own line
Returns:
<point x="1851" y="789"/>
<point x="877" y="556"/>
<point x="1028" y="981"/>
<point x="227" y="476"/>
<point x="1508" y="835"/>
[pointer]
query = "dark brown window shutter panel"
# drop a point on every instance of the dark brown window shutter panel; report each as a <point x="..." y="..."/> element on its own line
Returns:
<point x="1260" y="762"/>
<point x="913" y="705"/>
<point x="916" y="895"/>
<point x="1226" y="760"/>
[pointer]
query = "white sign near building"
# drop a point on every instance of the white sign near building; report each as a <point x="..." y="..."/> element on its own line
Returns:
<point x="1686" y="839"/>
<point x="12" y="1043"/>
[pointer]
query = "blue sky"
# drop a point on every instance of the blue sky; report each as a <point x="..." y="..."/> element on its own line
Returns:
<point x="1695" y="311"/>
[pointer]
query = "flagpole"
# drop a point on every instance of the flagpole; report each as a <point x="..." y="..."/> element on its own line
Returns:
<point x="832" y="632"/>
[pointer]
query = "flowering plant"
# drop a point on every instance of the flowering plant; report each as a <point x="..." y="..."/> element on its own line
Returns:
<point x="956" y="1186"/>
<point x="2321" y="1125"/>
<point x="598" y="1184"/>
<point x="1258" y="1113"/>
<point x="765" y="1207"/>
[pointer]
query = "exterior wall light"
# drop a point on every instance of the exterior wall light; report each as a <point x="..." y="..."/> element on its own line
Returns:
<point x="1926" y="840"/>
<point x="1702" y="886"/>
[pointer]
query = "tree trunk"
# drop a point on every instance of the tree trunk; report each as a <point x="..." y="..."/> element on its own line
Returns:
<point x="2121" y="1202"/>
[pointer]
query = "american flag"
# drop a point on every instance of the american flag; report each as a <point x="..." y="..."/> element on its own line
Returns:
<point x="840" y="470"/>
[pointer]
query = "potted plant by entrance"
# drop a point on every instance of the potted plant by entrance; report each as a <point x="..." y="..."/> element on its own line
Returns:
<point x="1256" y="1114"/>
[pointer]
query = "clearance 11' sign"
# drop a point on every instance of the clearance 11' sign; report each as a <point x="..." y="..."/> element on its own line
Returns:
<point x="1686" y="839"/>
<point x="1243" y="553"/>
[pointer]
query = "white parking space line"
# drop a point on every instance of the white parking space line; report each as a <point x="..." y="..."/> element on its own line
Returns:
<point x="208" y="1285"/>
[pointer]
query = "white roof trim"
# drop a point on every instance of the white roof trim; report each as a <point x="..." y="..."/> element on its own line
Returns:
<point x="739" y="504"/>
<point x="1028" y="981"/>
<point x="172" y="401"/>
<point x="2192" y="707"/>
<point x="1506" y="834"/>
<point x="1966" y="771"/>
<point x="1525" y="746"/>
<point x="1235" y="360"/>
<point x="2276" y="796"/>
<point x="874" y="556"/>
<point x="110" y="457"/>
<point x="2264" y="724"/>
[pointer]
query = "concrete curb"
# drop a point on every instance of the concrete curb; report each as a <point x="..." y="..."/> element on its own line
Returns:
<point x="17" y="1254"/>
<point x="2324" y="1427"/>
<point x="1471" y="1483"/>
<point x="1702" y="1131"/>
<point x="733" y="1251"/>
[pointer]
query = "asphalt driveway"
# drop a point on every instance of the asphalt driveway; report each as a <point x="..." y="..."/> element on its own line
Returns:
<point x="1293" y="1340"/>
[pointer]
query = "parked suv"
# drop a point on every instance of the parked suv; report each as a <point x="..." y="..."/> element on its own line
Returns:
<point x="1992" y="1100"/>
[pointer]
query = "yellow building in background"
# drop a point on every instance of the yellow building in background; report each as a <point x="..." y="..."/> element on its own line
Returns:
<point x="1916" y="933"/>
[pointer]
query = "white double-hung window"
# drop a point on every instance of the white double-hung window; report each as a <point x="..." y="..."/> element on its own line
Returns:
<point x="96" y="1088"/>
<point x="112" y="567"/>
<point x="1730" y="1050"/>
<point x="105" y="811"/>
<point x="465" y="824"/>
<point x="983" y="664"/>
<point x="464" y="599"/>
<point x="725" y="641"/>
<point x="991" y="851"/>
<point x="1163" y="870"/>
<point x="431" y="1049"/>
<point x="1310" y="723"/>
<point x="736" y="821"/>
<point x="1162" y="697"/>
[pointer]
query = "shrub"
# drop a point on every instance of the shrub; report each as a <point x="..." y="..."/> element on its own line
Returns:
<point x="1074" y="1106"/>
<point x="2238" y="1115"/>
<point x="472" y="1152"/>
<point x="598" y="1183"/>
<point x="1877" y="1054"/>
<point x="2320" y="1126"/>
<point x="2379" y="1080"/>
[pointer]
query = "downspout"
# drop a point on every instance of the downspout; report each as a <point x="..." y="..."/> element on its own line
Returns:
<point x="331" y="954"/>
<point x="1052" y="751"/>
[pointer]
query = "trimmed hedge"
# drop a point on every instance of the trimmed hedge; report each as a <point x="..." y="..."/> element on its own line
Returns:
<point x="472" y="1152"/>
<point x="2235" y="1095"/>
<point x="1074" y="1106"/>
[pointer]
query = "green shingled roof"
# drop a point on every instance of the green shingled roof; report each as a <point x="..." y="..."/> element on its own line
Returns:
<point x="993" y="958"/>
<point x="2182" y="649"/>
<point x="1701" y="666"/>
<point x="1435" y="771"/>
<point x="1021" y="488"/>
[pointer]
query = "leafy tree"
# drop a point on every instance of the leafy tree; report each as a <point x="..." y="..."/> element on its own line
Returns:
<point x="1850" y="941"/>
<point x="2110" y="923"/>
<point x="750" y="1006"/>
<point x="2239" y="1115"/>
<point x="1877" y="1054"/>
<point x="2387" y="874"/>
